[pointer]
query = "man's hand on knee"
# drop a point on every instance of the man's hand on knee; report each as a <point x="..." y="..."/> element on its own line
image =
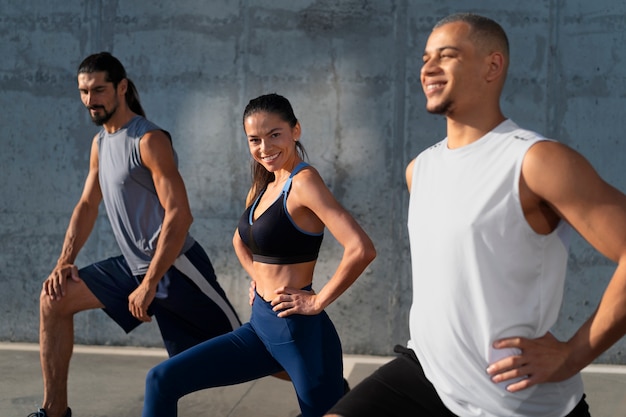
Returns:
<point x="54" y="286"/>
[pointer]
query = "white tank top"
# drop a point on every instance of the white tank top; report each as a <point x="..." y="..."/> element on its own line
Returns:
<point x="480" y="273"/>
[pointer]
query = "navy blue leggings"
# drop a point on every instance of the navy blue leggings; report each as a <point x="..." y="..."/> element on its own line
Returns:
<point x="307" y="347"/>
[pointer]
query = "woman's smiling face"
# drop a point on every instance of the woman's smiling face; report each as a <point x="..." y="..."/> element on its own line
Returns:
<point x="272" y="140"/>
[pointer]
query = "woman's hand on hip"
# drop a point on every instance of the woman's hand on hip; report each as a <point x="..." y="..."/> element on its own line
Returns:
<point x="290" y="301"/>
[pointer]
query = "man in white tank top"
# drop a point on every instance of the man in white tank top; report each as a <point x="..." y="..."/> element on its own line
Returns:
<point x="490" y="213"/>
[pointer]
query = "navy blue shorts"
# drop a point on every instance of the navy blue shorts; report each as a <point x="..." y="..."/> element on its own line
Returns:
<point x="190" y="306"/>
<point x="399" y="389"/>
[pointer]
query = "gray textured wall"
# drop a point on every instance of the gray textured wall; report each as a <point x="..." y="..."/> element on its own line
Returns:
<point x="351" y="70"/>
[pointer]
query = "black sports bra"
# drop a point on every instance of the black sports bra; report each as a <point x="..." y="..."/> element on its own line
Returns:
<point x="273" y="237"/>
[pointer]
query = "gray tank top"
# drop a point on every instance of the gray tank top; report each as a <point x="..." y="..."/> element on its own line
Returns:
<point x="129" y="194"/>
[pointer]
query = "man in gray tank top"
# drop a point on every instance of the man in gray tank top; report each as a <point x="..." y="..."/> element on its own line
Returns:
<point x="161" y="271"/>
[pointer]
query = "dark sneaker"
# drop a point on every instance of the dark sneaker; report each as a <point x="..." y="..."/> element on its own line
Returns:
<point x="42" y="413"/>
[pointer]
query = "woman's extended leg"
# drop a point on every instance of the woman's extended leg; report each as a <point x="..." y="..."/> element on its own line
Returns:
<point x="235" y="357"/>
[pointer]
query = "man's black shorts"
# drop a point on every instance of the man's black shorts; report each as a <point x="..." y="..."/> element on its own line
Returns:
<point x="400" y="389"/>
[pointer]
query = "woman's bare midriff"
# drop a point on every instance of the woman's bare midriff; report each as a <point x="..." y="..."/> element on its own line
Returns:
<point x="270" y="277"/>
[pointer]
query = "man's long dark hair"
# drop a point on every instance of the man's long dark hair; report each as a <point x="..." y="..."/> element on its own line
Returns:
<point x="105" y="62"/>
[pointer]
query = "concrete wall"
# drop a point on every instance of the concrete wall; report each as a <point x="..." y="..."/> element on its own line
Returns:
<point x="351" y="70"/>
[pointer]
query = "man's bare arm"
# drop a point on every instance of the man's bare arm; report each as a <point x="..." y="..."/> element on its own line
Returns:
<point x="157" y="155"/>
<point x="563" y="179"/>
<point x="78" y="231"/>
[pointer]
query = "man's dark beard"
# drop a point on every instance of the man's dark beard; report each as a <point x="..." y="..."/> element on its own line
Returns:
<point x="100" y="120"/>
<point x="442" y="108"/>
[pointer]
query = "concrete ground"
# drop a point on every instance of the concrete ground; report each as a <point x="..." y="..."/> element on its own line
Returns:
<point x="109" y="382"/>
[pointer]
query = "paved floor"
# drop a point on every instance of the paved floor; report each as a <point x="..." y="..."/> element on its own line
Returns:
<point x="109" y="382"/>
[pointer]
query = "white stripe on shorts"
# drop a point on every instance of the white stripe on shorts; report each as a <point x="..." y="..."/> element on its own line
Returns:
<point x="184" y="265"/>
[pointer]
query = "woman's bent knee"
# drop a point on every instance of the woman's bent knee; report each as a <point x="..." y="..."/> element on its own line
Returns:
<point x="160" y="383"/>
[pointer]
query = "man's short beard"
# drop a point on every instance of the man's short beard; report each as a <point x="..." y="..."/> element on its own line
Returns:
<point x="442" y="108"/>
<point x="100" y="120"/>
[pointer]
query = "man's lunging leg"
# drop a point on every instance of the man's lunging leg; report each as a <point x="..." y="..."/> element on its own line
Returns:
<point x="56" y="342"/>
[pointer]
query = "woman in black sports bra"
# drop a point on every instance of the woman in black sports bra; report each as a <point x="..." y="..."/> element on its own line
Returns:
<point x="277" y="242"/>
